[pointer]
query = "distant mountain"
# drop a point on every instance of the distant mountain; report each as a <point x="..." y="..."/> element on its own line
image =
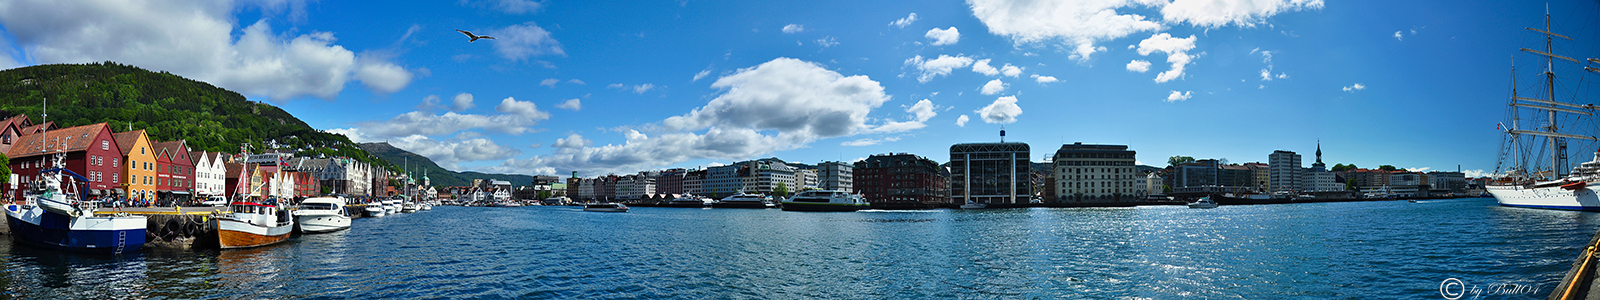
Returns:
<point x="438" y="175"/>
<point x="168" y="107"/>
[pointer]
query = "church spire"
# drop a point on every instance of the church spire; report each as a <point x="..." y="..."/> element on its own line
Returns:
<point x="1319" y="151"/>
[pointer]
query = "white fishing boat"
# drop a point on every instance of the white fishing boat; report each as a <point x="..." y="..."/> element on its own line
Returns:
<point x="253" y="224"/>
<point x="1538" y="125"/>
<point x="825" y="201"/>
<point x="322" y="214"/>
<point x="605" y="207"/>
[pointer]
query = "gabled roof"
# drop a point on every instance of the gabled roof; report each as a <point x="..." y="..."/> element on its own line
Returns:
<point x="125" y="140"/>
<point x="36" y="128"/>
<point x="71" y="139"/>
<point x="174" y="149"/>
<point x="198" y="156"/>
<point x="20" y="121"/>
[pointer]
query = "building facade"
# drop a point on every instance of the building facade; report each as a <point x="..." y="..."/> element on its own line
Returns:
<point x="1283" y="168"/>
<point x="901" y="180"/>
<point x="996" y="174"/>
<point x="1097" y="173"/>
<point x="90" y="151"/>
<point x="140" y="164"/>
<point x="836" y="176"/>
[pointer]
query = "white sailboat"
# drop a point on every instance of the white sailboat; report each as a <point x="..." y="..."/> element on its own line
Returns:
<point x="1534" y="156"/>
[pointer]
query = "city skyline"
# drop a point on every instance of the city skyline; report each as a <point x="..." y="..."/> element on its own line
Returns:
<point x="622" y="87"/>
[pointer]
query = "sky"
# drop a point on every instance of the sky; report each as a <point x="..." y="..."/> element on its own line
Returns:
<point x="600" y="87"/>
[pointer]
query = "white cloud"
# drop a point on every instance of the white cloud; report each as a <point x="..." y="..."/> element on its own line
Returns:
<point x="521" y="41"/>
<point x="982" y="67"/>
<point x="416" y="122"/>
<point x="429" y="103"/>
<point x="942" y="37"/>
<point x="195" y="40"/>
<point x="551" y="82"/>
<point x="827" y="42"/>
<point x="577" y="82"/>
<point x="1476" y="173"/>
<point x="1043" y="79"/>
<point x="1355" y="87"/>
<point x="993" y="87"/>
<point x="615" y="86"/>
<point x="902" y="22"/>
<point x="1397" y="36"/>
<point x="510" y="6"/>
<point x="572" y="141"/>
<point x="571" y="104"/>
<point x="1078" y="25"/>
<point x="1266" y="56"/>
<point x="702" y="74"/>
<point x="1266" y="75"/>
<point x="1283" y="75"/>
<point x="463" y="101"/>
<point x="937" y="67"/>
<point x="920" y="112"/>
<point x="525" y="109"/>
<point x="737" y="124"/>
<point x="1010" y="70"/>
<point x="1004" y="110"/>
<point x="1176" y="50"/>
<point x="869" y="141"/>
<point x="640" y="89"/>
<point x="1176" y="96"/>
<point x="450" y="153"/>
<point x="1245" y="13"/>
<point x="962" y="121"/>
<point x="1139" y="66"/>
<point x="793" y="28"/>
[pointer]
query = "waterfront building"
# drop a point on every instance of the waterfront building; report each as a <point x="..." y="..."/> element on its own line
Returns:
<point x="586" y="189"/>
<point x="837" y="176"/>
<point x="804" y="179"/>
<point x="574" y="183"/>
<point x="670" y="181"/>
<point x="771" y="172"/>
<point x="1097" y="173"/>
<point x="1200" y="173"/>
<point x="209" y="173"/>
<point x="90" y="150"/>
<point x="634" y="186"/>
<point x="232" y="176"/>
<point x="1318" y="179"/>
<point x="543" y="184"/>
<point x="996" y="174"/>
<point x="901" y="180"/>
<point x="176" y="172"/>
<point x="1448" y="182"/>
<point x="1152" y="184"/>
<point x="139" y="166"/>
<point x="10" y="129"/>
<point x="692" y="182"/>
<point x="606" y="189"/>
<point x="1405" y="179"/>
<point x="1283" y="171"/>
<point x="722" y="181"/>
<point x="1262" y="175"/>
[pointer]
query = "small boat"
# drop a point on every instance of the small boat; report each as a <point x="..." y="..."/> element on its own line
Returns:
<point x="605" y="207"/>
<point x="409" y="207"/>
<point x="744" y="200"/>
<point x="825" y="201"/>
<point x="1412" y="200"/>
<point x="56" y="218"/>
<point x="253" y="225"/>
<point x="426" y="206"/>
<point x="1204" y="202"/>
<point x="560" y="200"/>
<point x="322" y="214"/>
<point x="973" y="205"/>
<point x="391" y="206"/>
<point x="374" y="210"/>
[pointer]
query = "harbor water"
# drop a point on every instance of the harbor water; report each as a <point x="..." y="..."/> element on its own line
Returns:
<point x="1365" y="250"/>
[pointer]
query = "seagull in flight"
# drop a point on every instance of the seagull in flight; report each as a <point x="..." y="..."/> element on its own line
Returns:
<point x="474" y="36"/>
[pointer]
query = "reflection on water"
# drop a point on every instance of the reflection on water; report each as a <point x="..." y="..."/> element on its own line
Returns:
<point x="1329" y="250"/>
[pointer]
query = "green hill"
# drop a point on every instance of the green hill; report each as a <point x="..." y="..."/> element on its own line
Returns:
<point x="166" y="106"/>
<point x="440" y="176"/>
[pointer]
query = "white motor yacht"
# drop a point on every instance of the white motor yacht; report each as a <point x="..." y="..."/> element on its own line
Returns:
<point x="1204" y="202"/>
<point x="605" y="207"/>
<point x="322" y="214"/>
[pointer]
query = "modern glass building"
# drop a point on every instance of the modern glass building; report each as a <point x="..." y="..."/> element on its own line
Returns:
<point x="996" y="174"/>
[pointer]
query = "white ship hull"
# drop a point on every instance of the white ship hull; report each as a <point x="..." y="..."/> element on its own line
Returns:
<point x="324" y="222"/>
<point x="1554" y="197"/>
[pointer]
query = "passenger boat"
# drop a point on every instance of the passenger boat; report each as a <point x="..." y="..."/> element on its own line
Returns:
<point x="605" y="207"/>
<point x="322" y="214"/>
<point x="253" y="225"/>
<point x="825" y="201"/>
<point x="745" y="200"/>
<point x="690" y="201"/>
<point x="54" y="216"/>
<point x="1204" y="202"/>
<point x="1542" y="123"/>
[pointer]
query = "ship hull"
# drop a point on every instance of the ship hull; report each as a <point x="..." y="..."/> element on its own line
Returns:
<point x="233" y="234"/>
<point x="108" y="235"/>
<point x="1553" y="197"/>
<point x="823" y="206"/>
<point x="322" y="223"/>
<point x="740" y="204"/>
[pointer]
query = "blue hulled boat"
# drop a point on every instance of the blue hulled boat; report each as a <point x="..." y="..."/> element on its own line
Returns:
<point x="56" y="218"/>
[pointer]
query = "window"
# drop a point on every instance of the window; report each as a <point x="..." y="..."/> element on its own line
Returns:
<point x="141" y="150"/>
<point x="114" y="177"/>
<point x="104" y="145"/>
<point x="114" y="162"/>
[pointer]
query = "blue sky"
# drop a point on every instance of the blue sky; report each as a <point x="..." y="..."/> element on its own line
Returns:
<point x="622" y="86"/>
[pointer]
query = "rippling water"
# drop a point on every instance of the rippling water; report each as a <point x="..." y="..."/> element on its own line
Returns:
<point x="1365" y="250"/>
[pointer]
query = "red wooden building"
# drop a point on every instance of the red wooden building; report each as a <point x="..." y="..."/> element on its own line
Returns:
<point x="90" y="151"/>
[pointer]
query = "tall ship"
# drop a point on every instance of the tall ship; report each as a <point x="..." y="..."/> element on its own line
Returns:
<point x="1533" y="170"/>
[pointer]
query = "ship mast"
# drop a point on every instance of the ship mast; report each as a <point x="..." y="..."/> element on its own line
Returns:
<point x="1550" y="105"/>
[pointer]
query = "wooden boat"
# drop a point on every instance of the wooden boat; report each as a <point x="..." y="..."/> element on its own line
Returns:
<point x="253" y="225"/>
